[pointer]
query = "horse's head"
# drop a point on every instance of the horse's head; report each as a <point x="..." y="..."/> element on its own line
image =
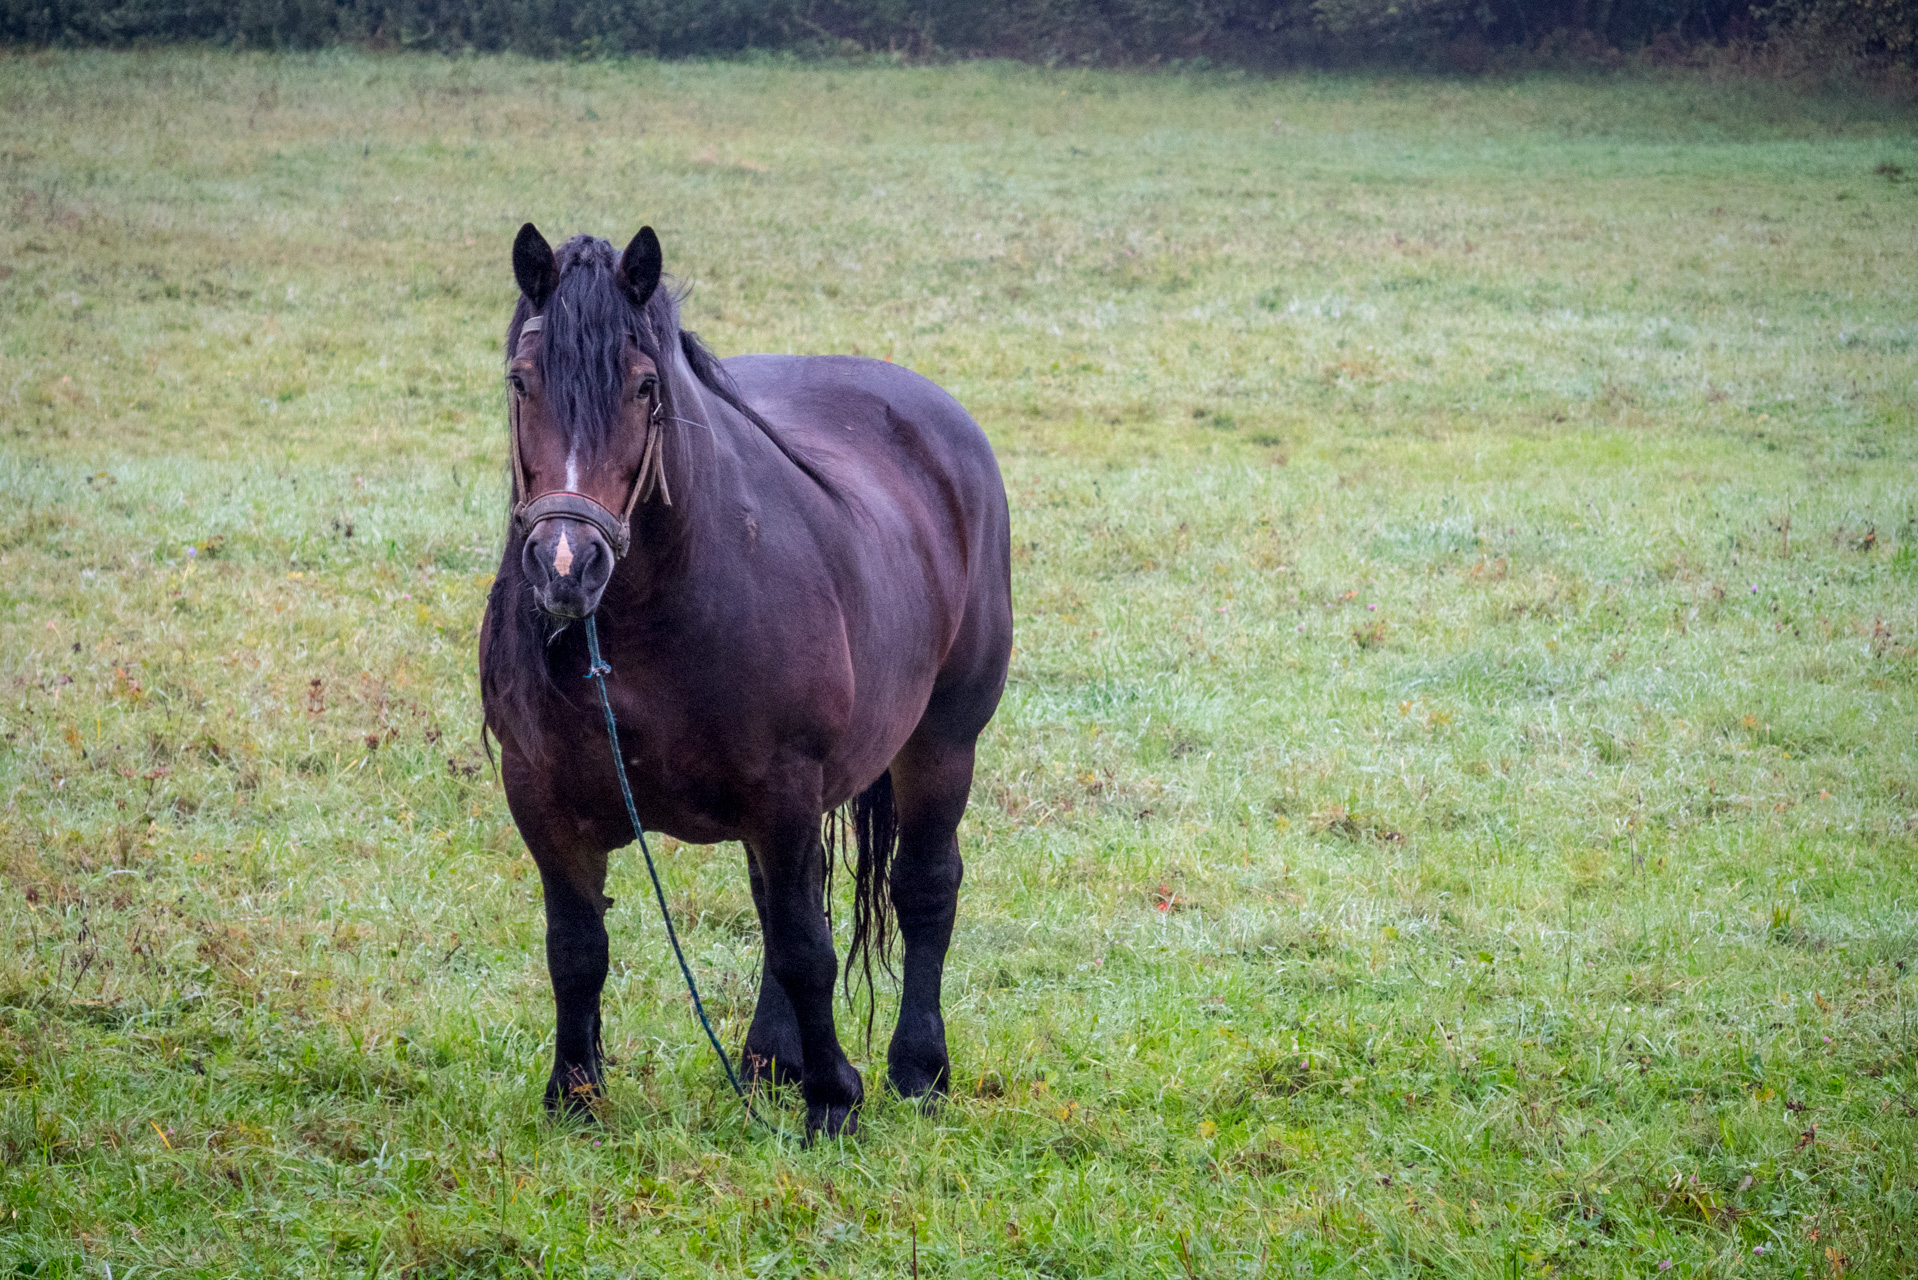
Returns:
<point x="583" y="379"/>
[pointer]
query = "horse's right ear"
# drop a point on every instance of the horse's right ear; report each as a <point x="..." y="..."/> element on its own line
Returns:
<point x="533" y="265"/>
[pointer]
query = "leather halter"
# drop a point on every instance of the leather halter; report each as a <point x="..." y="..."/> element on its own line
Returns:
<point x="555" y="504"/>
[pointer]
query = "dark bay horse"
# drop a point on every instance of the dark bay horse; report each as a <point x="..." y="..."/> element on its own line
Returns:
<point x="800" y="568"/>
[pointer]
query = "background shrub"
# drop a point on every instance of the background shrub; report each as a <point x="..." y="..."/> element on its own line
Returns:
<point x="1447" y="34"/>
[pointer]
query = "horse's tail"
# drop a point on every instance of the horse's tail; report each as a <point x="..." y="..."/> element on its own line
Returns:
<point x="875" y="833"/>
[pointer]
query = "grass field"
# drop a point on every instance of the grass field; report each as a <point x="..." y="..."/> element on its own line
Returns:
<point x="1455" y="807"/>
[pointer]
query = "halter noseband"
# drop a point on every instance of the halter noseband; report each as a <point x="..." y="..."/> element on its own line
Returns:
<point x="564" y="503"/>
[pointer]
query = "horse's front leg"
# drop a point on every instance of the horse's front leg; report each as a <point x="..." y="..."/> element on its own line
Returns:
<point x="576" y="960"/>
<point x="799" y="955"/>
<point x="572" y="869"/>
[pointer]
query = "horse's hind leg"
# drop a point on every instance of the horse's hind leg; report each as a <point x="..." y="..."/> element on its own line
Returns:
<point x="930" y="782"/>
<point x="771" y="1052"/>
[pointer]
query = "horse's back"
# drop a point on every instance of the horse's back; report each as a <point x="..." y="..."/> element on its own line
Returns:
<point x="816" y="402"/>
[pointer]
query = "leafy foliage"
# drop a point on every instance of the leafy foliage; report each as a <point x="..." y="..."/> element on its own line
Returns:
<point x="1458" y="34"/>
<point x="1888" y="27"/>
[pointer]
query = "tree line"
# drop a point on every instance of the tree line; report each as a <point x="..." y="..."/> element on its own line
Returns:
<point x="1461" y="35"/>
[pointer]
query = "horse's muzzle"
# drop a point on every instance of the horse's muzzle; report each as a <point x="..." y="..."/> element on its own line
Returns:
<point x="569" y="563"/>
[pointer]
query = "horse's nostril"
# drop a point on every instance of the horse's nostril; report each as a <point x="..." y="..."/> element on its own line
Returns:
<point x="536" y="567"/>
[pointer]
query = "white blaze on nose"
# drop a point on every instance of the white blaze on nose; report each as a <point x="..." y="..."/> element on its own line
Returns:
<point x="563" y="557"/>
<point x="572" y="469"/>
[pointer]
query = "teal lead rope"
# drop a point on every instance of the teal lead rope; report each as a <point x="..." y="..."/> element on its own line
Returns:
<point x="598" y="673"/>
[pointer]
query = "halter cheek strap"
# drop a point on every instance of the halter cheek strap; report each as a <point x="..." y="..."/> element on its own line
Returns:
<point x="565" y="503"/>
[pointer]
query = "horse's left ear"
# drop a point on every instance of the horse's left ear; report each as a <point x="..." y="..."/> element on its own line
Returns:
<point x="640" y="265"/>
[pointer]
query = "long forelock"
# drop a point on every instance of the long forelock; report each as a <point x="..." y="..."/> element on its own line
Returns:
<point x="587" y="320"/>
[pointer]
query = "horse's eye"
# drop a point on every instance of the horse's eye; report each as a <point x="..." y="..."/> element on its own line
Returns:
<point x="647" y="386"/>
<point x="517" y="383"/>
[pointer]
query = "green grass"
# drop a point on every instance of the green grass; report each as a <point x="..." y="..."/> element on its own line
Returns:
<point x="1455" y="807"/>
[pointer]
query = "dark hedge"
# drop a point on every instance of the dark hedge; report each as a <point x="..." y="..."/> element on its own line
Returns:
<point x="1455" y="34"/>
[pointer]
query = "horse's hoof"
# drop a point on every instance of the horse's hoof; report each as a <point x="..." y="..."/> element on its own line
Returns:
<point x="831" y="1122"/>
<point x="574" y="1109"/>
<point x="917" y="1065"/>
<point x="582" y="1099"/>
<point x="927" y="1082"/>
